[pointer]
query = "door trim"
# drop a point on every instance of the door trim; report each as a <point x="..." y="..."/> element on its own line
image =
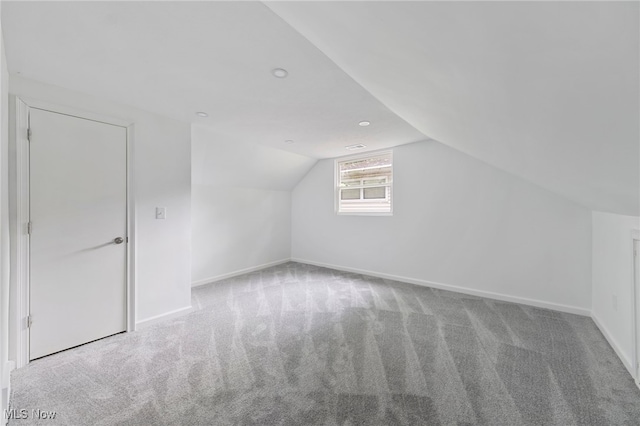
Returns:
<point x="22" y="108"/>
<point x="22" y="239"/>
<point x="635" y="289"/>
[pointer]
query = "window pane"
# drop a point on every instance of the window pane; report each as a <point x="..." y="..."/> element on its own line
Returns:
<point x="378" y="168"/>
<point x="376" y="172"/>
<point x="365" y="184"/>
<point x="374" y="193"/>
<point x="374" y="181"/>
<point x="350" y="194"/>
<point x="366" y="163"/>
<point x="351" y="182"/>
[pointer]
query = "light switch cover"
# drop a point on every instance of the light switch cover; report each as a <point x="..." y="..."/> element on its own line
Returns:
<point x="161" y="213"/>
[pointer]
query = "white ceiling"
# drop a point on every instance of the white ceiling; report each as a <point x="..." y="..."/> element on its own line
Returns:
<point x="545" y="90"/>
<point x="176" y="58"/>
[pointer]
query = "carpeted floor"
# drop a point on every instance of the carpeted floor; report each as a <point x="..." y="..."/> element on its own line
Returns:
<point x="297" y="344"/>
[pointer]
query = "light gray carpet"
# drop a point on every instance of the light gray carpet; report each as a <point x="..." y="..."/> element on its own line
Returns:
<point x="297" y="344"/>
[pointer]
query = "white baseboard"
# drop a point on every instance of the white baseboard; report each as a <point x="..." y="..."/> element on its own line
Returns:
<point x="614" y="344"/>
<point x="9" y="366"/>
<point x="5" y="404"/>
<point x="163" y="317"/>
<point x="6" y="388"/>
<point x="465" y="290"/>
<point x="238" y="272"/>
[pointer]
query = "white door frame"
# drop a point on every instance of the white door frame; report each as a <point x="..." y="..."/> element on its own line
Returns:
<point x="23" y="105"/>
<point x="635" y="285"/>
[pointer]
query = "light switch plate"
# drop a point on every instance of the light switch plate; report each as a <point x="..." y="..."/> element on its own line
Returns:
<point x="161" y="212"/>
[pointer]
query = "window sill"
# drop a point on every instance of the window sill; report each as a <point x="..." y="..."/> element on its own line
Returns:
<point x="364" y="213"/>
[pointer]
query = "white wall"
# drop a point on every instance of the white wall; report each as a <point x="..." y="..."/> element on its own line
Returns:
<point x="613" y="278"/>
<point x="241" y="204"/>
<point x="457" y="222"/>
<point x="162" y="177"/>
<point x="4" y="230"/>
<point x="236" y="229"/>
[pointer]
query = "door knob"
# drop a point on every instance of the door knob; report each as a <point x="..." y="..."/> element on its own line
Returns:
<point x="118" y="240"/>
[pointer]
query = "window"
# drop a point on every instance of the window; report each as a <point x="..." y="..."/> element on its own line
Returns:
<point x="363" y="184"/>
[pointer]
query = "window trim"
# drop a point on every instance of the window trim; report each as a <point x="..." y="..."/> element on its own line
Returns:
<point x="336" y="182"/>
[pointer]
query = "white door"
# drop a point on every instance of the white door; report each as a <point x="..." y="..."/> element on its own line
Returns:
<point x="636" y="282"/>
<point x="77" y="209"/>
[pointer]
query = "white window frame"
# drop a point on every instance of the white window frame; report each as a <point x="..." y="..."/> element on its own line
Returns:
<point x="336" y="185"/>
<point x="361" y="187"/>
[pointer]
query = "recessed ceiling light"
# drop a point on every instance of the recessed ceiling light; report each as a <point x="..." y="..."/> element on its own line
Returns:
<point x="289" y="141"/>
<point x="364" y="123"/>
<point x="356" y="146"/>
<point x="202" y="114"/>
<point x="280" y="72"/>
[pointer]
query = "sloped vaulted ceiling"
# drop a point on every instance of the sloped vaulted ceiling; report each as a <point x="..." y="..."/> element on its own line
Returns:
<point x="176" y="58"/>
<point x="545" y="90"/>
<point x="221" y="160"/>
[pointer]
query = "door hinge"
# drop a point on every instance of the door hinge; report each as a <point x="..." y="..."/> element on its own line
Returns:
<point x="29" y="228"/>
<point x="29" y="321"/>
<point x="29" y="134"/>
